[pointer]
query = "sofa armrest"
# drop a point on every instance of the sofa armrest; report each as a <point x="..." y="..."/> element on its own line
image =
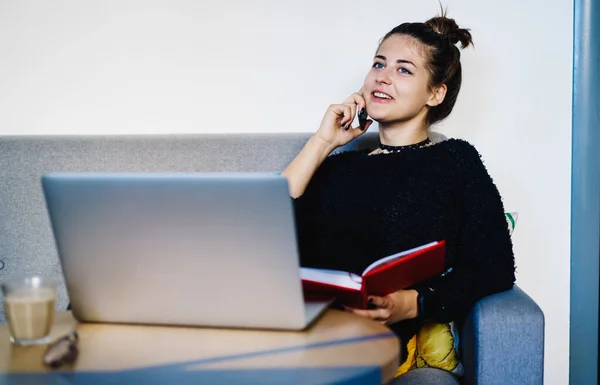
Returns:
<point x="502" y="341"/>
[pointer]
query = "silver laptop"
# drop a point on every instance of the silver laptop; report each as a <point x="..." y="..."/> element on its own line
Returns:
<point x="204" y="249"/>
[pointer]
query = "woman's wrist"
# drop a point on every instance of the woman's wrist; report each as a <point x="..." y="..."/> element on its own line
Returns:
<point x="412" y="305"/>
<point x="323" y="146"/>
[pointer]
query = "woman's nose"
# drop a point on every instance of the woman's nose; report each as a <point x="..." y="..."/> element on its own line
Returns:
<point x="383" y="78"/>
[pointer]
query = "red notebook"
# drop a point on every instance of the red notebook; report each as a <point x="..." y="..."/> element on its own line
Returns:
<point x="382" y="277"/>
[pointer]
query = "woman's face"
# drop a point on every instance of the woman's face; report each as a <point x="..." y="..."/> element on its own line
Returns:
<point x="397" y="88"/>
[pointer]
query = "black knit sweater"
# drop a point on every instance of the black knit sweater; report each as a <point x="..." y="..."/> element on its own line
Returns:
<point x="358" y="208"/>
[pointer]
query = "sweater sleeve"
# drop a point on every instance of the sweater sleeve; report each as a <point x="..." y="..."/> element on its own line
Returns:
<point x="484" y="261"/>
<point x="307" y="214"/>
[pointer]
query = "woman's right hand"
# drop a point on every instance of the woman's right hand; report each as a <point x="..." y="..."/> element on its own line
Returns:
<point x="335" y="129"/>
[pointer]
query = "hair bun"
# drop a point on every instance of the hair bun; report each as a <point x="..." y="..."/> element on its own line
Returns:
<point x="445" y="26"/>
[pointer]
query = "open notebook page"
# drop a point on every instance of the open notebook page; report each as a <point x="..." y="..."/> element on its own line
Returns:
<point x="393" y="257"/>
<point x="332" y="277"/>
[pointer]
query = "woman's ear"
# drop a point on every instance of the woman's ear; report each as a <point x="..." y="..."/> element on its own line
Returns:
<point x="437" y="95"/>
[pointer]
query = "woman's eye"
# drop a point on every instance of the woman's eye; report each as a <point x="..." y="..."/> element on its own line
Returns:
<point x="405" y="71"/>
<point x="378" y="65"/>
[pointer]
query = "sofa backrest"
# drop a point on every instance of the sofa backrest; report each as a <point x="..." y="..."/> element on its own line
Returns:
<point x="26" y="241"/>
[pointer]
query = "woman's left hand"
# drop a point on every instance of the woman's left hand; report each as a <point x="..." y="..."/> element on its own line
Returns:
<point x="395" y="307"/>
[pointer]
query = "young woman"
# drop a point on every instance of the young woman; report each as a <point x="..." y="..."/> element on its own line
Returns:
<point x="355" y="207"/>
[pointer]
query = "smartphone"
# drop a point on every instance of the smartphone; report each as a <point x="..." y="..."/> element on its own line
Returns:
<point x="362" y="118"/>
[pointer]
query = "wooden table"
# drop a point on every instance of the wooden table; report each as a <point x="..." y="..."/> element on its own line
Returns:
<point x="338" y="348"/>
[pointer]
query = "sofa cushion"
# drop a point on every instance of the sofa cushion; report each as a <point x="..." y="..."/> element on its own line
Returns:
<point x="26" y="240"/>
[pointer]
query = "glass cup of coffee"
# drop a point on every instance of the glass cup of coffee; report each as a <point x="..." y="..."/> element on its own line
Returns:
<point x="29" y="308"/>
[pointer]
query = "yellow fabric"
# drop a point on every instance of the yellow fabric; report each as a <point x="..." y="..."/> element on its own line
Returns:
<point x="433" y="346"/>
<point x="411" y="358"/>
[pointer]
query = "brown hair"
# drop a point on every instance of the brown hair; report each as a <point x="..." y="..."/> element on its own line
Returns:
<point x="439" y="35"/>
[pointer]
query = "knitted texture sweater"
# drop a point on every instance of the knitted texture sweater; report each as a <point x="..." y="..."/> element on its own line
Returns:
<point x="359" y="208"/>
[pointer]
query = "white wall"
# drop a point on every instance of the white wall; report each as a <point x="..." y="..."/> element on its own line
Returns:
<point x="158" y="66"/>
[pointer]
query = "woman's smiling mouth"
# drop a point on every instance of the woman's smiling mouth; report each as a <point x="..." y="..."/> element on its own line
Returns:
<point x="381" y="97"/>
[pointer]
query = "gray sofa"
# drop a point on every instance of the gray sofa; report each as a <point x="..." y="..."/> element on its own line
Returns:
<point x="502" y="339"/>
